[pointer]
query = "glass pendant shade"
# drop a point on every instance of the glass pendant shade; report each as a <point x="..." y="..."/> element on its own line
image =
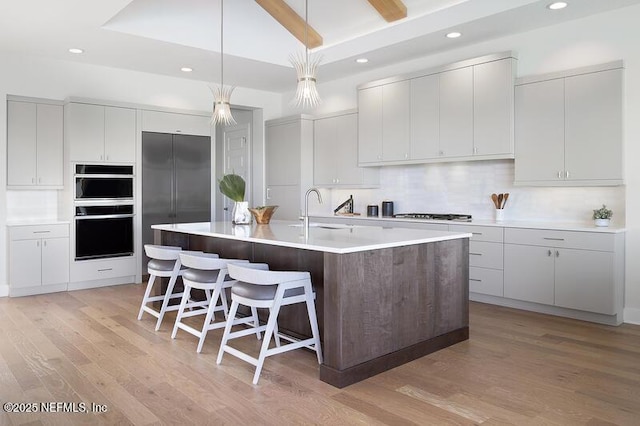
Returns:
<point x="222" y="107"/>
<point x="306" y="92"/>
<point x="222" y="94"/>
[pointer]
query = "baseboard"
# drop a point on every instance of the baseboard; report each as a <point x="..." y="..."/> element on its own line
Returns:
<point x="4" y="290"/>
<point x="84" y="285"/>
<point x="632" y="316"/>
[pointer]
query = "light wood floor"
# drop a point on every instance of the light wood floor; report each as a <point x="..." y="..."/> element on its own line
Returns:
<point x="517" y="368"/>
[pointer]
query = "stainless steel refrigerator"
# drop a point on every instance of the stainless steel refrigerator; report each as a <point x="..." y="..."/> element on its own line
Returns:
<point x="176" y="181"/>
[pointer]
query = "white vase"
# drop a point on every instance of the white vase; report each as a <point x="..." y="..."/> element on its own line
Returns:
<point x="602" y="222"/>
<point x="241" y="214"/>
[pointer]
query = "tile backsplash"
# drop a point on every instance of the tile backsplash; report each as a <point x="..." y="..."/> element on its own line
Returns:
<point x="32" y="205"/>
<point x="466" y="187"/>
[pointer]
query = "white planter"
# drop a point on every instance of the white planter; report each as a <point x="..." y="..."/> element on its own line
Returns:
<point x="602" y="222"/>
<point x="241" y="214"/>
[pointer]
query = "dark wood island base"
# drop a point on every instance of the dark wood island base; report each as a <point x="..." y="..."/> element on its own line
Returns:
<point x="377" y="309"/>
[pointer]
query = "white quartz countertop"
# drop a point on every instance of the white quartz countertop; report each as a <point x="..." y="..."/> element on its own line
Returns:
<point x="331" y="238"/>
<point x="560" y="226"/>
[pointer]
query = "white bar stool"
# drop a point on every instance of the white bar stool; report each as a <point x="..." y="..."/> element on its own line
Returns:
<point x="205" y="271"/>
<point x="164" y="262"/>
<point x="258" y="287"/>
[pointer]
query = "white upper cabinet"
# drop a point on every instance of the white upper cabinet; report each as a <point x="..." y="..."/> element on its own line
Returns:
<point x="98" y="133"/>
<point x="370" y="125"/>
<point x="458" y="112"/>
<point x="34" y="145"/>
<point x="493" y="108"/>
<point x="425" y="117"/>
<point x="335" y="153"/>
<point x="569" y="128"/>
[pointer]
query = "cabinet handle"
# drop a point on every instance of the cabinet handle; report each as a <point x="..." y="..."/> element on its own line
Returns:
<point x="39" y="180"/>
<point x="379" y="157"/>
<point x="553" y="239"/>
<point x="557" y="253"/>
<point x="441" y="152"/>
<point x="105" y="270"/>
<point x="406" y="156"/>
<point x="337" y="180"/>
<point x="38" y="243"/>
<point x="268" y="193"/>
<point x="33" y="180"/>
<point x="475" y="254"/>
<point x="475" y="149"/>
<point x="476" y="233"/>
<point x="41" y="232"/>
<point x="44" y="243"/>
<point x="559" y="174"/>
<point x="566" y="174"/>
<point x="549" y="253"/>
<point x="475" y="279"/>
<point x="100" y="156"/>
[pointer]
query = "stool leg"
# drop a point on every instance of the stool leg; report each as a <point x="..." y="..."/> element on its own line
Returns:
<point x="227" y="329"/>
<point x="256" y="322"/>
<point x="147" y="292"/>
<point x="271" y="324"/>
<point x="165" y="302"/>
<point x="183" y="304"/>
<point x="210" y="316"/>
<point x="276" y="336"/>
<point x="311" y="308"/>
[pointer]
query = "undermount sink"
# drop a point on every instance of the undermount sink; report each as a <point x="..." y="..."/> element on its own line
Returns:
<point x="324" y="225"/>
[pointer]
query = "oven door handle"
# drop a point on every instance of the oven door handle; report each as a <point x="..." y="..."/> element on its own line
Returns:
<point x="105" y="216"/>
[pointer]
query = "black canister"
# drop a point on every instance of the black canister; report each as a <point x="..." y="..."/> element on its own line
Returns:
<point x="387" y="209"/>
<point x="372" y="210"/>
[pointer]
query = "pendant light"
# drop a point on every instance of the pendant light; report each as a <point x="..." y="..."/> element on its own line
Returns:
<point x="221" y="94"/>
<point x="306" y="93"/>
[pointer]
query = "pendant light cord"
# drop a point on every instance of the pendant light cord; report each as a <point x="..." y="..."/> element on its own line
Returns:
<point x="221" y="43"/>
<point x="306" y="29"/>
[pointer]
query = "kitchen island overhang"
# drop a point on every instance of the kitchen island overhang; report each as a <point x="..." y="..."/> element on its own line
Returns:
<point x="384" y="296"/>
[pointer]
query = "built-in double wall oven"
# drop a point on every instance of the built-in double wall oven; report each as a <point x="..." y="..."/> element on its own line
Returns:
<point x="104" y="211"/>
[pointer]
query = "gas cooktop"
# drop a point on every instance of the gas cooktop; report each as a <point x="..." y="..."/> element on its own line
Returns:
<point x="435" y="216"/>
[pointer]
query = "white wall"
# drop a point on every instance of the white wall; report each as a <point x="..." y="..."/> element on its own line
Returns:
<point x="582" y="42"/>
<point x="52" y="79"/>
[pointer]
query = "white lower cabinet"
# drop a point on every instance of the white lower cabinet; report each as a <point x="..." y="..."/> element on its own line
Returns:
<point x="574" y="270"/>
<point x="38" y="259"/>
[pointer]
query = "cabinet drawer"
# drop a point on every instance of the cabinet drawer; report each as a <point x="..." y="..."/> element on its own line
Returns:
<point x="33" y="232"/>
<point x="485" y="255"/>
<point x="89" y="270"/>
<point x="562" y="239"/>
<point x="493" y="234"/>
<point x="486" y="281"/>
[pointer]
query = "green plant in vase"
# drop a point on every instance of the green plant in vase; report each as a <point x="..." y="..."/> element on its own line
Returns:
<point x="602" y="216"/>
<point x="233" y="187"/>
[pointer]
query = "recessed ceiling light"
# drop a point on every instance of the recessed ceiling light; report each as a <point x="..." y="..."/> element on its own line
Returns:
<point x="454" y="34"/>
<point x="76" y="50"/>
<point x="362" y="60"/>
<point x="186" y="69"/>
<point x="557" y="5"/>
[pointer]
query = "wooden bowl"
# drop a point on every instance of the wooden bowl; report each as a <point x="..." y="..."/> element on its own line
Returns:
<point x="263" y="214"/>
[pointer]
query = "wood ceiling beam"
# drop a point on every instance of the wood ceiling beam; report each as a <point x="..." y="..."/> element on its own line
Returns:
<point x="391" y="10"/>
<point x="291" y="21"/>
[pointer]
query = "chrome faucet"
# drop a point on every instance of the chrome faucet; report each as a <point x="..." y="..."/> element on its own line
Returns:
<point x="305" y="218"/>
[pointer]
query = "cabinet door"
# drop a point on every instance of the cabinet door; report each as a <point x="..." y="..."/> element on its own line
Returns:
<point x="425" y="117"/>
<point x="456" y="112"/>
<point x="21" y="143"/>
<point x="593" y="126"/>
<point x="324" y="151"/>
<point x="120" y="135"/>
<point x="85" y="131"/>
<point x="55" y="261"/>
<point x="25" y="263"/>
<point x="50" y="145"/>
<point x="287" y="198"/>
<point x="346" y="153"/>
<point x="493" y="108"/>
<point x="396" y="101"/>
<point x="539" y="130"/>
<point x="529" y="273"/>
<point x="370" y="125"/>
<point x="282" y="154"/>
<point x="584" y="280"/>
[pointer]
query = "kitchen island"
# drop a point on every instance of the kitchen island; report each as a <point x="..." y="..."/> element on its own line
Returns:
<point x="384" y="296"/>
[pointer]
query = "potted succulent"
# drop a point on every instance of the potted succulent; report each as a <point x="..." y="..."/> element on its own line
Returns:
<point x="602" y="216"/>
<point x="233" y="187"/>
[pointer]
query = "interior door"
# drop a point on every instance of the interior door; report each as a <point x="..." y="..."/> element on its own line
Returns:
<point x="192" y="169"/>
<point x="236" y="160"/>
